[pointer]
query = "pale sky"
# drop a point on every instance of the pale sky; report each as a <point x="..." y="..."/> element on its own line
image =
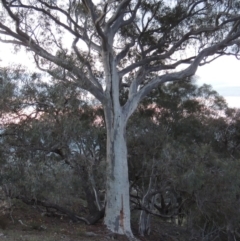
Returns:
<point x="223" y="74"/>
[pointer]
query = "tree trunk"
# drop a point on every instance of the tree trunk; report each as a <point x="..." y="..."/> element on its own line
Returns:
<point x="117" y="214"/>
<point x="144" y="220"/>
<point x="90" y="191"/>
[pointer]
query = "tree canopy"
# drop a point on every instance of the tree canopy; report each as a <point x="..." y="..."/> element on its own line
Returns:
<point x="142" y="37"/>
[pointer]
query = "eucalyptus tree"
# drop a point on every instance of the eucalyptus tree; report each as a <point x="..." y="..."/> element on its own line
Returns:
<point x="108" y="47"/>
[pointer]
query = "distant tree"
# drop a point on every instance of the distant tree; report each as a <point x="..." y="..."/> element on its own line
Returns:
<point x="117" y="46"/>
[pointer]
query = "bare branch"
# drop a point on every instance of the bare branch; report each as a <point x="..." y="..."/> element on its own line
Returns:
<point x="101" y="17"/>
<point x="192" y="6"/>
<point x="124" y="52"/>
<point x="166" y="55"/>
<point x="87" y="64"/>
<point x="90" y="6"/>
<point x="189" y="71"/>
<point x="120" y="22"/>
<point x="74" y="32"/>
<point x="12" y="42"/>
<point x="170" y="66"/>
<point x="118" y="13"/>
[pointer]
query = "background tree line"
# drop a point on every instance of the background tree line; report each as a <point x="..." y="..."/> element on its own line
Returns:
<point x="184" y="150"/>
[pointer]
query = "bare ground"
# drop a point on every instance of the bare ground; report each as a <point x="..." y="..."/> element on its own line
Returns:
<point x="27" y="224"/>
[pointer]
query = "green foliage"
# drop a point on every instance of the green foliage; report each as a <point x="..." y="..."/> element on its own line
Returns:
<point x="185" y="132"/>
<point x="53" y="138"/>
<point x="185" y="129"/>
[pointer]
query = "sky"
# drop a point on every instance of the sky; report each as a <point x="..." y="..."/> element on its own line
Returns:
<point x="223" y="74"/>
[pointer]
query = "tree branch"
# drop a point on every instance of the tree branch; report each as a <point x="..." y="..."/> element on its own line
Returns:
<point x="90" y="6"/>
<point x="87" y="64"/>
<point x="119" y="21"/>
<point x="58" y="22"/>
<point x="124" y="52"/>
<point x="118" y="13"/>
<point x="189" y="71"/>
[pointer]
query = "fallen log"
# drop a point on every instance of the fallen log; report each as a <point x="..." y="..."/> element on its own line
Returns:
<point x="73" y="216"/>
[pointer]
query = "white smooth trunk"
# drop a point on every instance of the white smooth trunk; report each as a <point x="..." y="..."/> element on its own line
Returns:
<point x="117" y="212"/>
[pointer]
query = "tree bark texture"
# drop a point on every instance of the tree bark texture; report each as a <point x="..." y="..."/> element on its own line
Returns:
<point x="117" y="214"/>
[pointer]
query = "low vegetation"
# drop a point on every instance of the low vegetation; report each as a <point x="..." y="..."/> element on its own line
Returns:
<point x="184" y="150"/>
